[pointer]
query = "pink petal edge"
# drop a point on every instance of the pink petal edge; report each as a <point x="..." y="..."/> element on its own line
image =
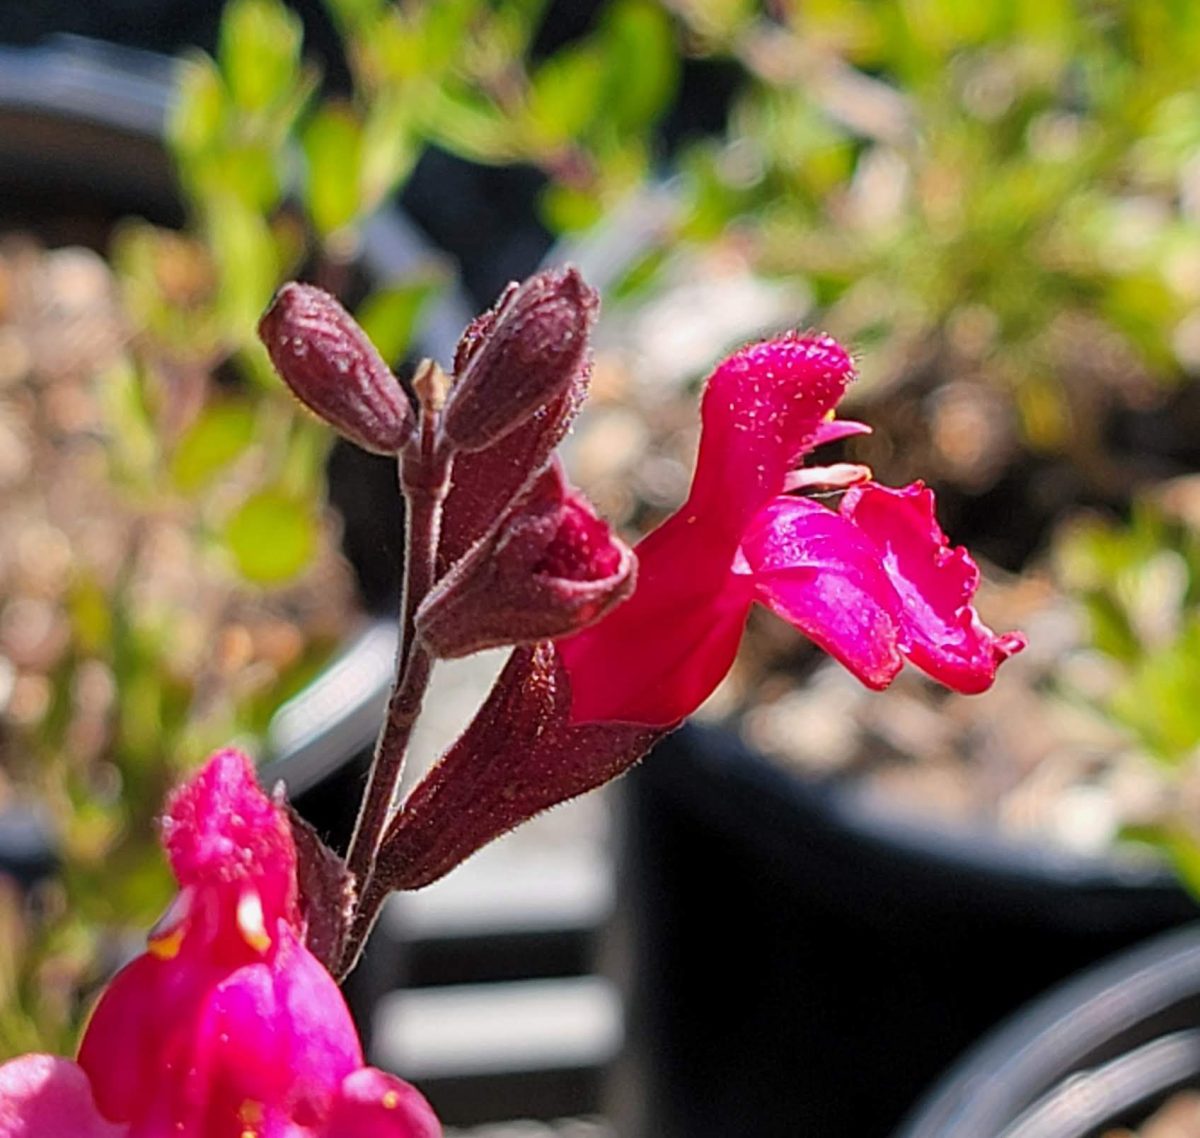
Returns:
<point x="44" y="1096"/>
<point x="816" y="570"/>
<point x="936" y="584"/>
<point x="763" y="408"/>
<point x="373" y="1104"/>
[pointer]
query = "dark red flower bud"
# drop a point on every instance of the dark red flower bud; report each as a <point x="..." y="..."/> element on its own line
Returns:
<point x="519" y="756"/>
<point x="333" y="369"/>
<point x="520" y="357"/>
<point x="549" y="569"/>
<point x="485" y="482"/>
<point x="480" y="328"/>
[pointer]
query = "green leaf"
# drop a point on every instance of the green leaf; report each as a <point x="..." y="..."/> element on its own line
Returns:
<point x="259" y="52"/>
<point x="272" y="537"/>
<point x="390" y="147"/>
<point x="301" y="472"/>
<point x="248" y="260"/>
<point x="1179" y="845"/>
<point x="91" y="615"/>
<point x="390" y="315"/>
<point x="642" y="65"/>
<point x="215" y="439"/>
<point x="469" y="127"/>
<point x="446" y="26"/>
<point x="354" y="15"/>
<point x="250" y="171"/>
<point x="567" y="210"/>
<point x="133" y="439"/>
<point x="641" y="274"/>
<point x="333" y="145"/>
<point x="1158" y="701"/>
<point x="195" y="119"/>
<point x="565" y="96"/>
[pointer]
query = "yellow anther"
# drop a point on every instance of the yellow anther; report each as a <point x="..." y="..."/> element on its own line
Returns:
<point x="251" y="1112"/>
<point x="166" y="937"/>
<point x="167" y="945"/>
<point x="391" y="1100"/>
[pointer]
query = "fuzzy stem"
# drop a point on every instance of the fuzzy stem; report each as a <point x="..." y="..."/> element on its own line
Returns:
<point x="368" y="907"/>
<point x="425" y="478"/>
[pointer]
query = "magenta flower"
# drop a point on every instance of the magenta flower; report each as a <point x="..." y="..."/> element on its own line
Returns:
<point x="227" y="1027"/>
<point x="873" y="583"/>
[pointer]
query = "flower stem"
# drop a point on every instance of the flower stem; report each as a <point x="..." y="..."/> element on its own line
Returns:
<point x="368" y="906"/>
<point x="424" y="472"/>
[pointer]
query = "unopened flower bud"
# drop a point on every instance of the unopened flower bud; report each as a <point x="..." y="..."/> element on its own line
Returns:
<point x="549" y="569"/>
<point x="520" y="357"/>
<point x="334" y="370"/>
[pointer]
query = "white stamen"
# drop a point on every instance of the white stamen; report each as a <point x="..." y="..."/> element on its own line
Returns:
<point x="839" y="476"/>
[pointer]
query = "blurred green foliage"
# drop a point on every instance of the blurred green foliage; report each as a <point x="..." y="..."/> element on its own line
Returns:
<point x="464" y="75"/>
<point x="1140" y="587"/>
<point x="1140" y="584"/>
<point x="1004" y="192"/>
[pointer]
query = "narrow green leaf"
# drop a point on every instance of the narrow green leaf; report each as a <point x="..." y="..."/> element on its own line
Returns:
<point x="133" y="440"/>
<point x="566" y="95"/>
<point x="259" y="52"/>
<point x="248" y="170"/>
<point x="248" y="261"/>
<point x="469" y="126"/>
<point x="390" y="147"/>
<point x="195" y="119"/>
<point x="333" y="147"/>
<point x="91" y="615"/>
<point x="568" y="210"/>
<point x="354" y="15"/>
<point x="642" y="64"/>
<point x="446" y="25"/>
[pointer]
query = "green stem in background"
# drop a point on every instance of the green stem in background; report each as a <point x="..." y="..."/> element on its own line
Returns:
<point x="425" y="478"/>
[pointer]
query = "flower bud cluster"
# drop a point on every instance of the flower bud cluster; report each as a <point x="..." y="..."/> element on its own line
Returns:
<point x="521" y="556"/>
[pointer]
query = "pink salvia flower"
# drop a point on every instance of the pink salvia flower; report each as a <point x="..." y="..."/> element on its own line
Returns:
<point x="228" y="1027"/>
<point x="873" y="583"/>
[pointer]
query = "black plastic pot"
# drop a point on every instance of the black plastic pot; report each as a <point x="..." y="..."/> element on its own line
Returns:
<point x="807" y="967"/>
<point x="1104" y="1050"/>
